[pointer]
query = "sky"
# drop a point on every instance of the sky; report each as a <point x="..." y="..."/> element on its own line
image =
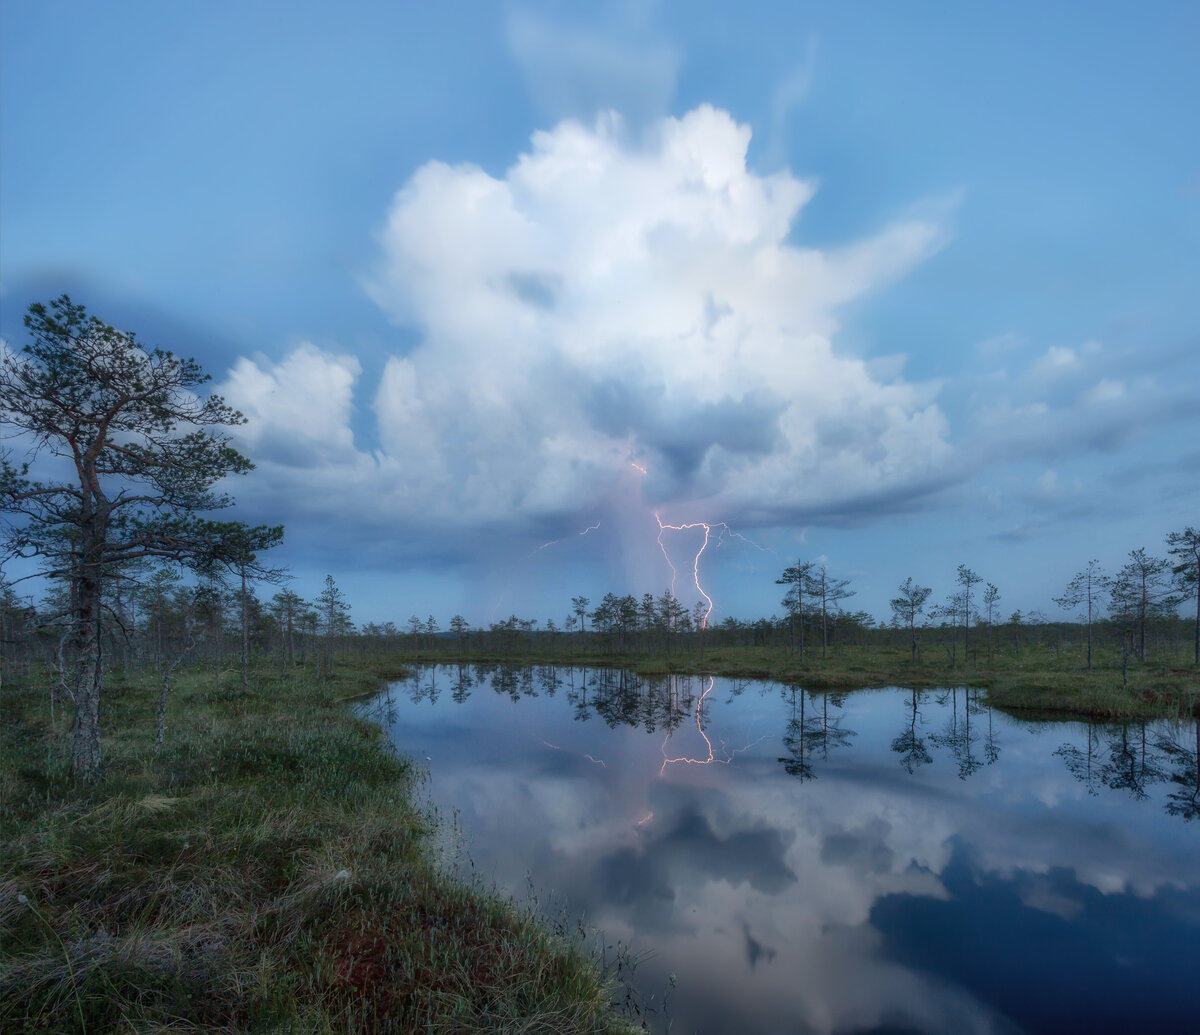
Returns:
<point x="503" y="289"/>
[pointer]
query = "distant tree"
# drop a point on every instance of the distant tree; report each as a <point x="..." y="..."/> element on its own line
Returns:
<point x="1015" y="621"/>
<point x="906" y="607"/>
<point x="240" y="547"/>
<point x="967" y="579"/>
<point x="627" y="617"/>
<point x="828" y="592"/>
<point x="699" y="617"/>
<point x="141" y="460"/>
<point x="648" y="615"/>
<point x="797" y="578"/>
<point x="286" y="607"/>
<point x="334" y="615"/>
<point x="1140" y="591"/>
<point x="580" y="607"/>
<point x="155" y="595"/>
<point x="1185" y="546"/>
<point x="1085" y="588"/>
<point x="458" y="626"/>
<point x="211" y="605"/>
<point x="606" y="615"/>
<point x="857" y="624"/>
<point x="184" y="602"/>
<point x="991" y="597"/>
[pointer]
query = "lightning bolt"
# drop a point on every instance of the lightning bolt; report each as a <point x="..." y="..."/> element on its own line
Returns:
<point x="693" y="761"/>
<point x="708" y="743"/>
<point x="695" y="560"/>
<point x="723" y="531"/>
<point x="596" y="761"/>
<point x="555" y="542"/>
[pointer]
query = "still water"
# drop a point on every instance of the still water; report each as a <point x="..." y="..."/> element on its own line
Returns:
<point x="786" y="861"/>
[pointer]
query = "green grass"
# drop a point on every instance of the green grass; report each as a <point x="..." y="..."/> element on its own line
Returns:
<point x="265" y="871"/>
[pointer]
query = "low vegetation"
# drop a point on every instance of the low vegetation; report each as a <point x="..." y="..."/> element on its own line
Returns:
<point x="257" y="863"/>
<point x="265" y="870"/>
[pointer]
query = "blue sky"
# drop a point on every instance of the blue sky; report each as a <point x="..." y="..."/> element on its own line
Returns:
<point x="892" y="286"/>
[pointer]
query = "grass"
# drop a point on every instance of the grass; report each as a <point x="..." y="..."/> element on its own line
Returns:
<point x="1047" y="680"/>
<point x="265" y="871"/>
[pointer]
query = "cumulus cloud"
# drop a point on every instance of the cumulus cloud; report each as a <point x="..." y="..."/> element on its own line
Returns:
<point x="1074" y="401"/>
<point x="297" y="411"/>
<point x="612" y="299"/>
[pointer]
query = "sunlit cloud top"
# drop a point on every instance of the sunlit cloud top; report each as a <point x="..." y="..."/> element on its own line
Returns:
<point x="616" y="298"/>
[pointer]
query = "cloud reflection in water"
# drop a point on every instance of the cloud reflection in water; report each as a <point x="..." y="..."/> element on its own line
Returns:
<point x="988" y="890"/>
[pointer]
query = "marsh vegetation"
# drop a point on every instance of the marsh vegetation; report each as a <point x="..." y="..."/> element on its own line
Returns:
<point x="265" y="869"/>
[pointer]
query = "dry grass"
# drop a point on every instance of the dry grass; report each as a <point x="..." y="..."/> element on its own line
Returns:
<point x="265" y="871"/>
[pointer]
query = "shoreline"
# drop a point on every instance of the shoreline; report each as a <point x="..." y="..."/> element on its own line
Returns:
<point x="1064" y="692"/>
<point x="267" y="869"/>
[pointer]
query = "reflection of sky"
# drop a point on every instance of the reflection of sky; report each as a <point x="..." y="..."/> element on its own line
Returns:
<point x="863" y="899"/>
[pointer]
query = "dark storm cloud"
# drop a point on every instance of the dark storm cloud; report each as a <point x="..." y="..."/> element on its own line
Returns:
<point x="682" y="432"/>
<point x="539" y="290"/>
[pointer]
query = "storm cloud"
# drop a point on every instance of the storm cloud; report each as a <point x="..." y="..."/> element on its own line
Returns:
<point x="615" y="299"/>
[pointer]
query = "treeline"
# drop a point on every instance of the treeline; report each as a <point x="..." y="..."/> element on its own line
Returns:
<point x="1135" y="613"/>
<point x="157" y="617"/>
<point x="142" y="578"/>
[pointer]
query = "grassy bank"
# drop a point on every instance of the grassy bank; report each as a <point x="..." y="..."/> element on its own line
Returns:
<point x="266" y="870"/>
<point x="1043" y="680"/>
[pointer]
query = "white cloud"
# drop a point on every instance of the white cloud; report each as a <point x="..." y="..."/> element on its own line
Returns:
<point x="1056" y="361"/>
<point x="298" y="411"/>
<point x="789" y="94"/>
<point x="1106" y="390"/>
<point x="606" y="300"/>
<point x="1071" y="402"/>
<point x="579" y="70"/>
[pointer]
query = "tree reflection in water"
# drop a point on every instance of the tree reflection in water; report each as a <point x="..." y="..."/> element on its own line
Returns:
<point x="1126" y="757"/>
<point x="1134" y="761"/>
<point x="901" y="874"/>
<point x="910" y="747"/>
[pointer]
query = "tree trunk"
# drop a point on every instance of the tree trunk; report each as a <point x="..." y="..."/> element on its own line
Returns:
<point x="1196" y="640"/>
<point x="89" y="676"/>
<point x="245" y="634"/>
<point x="824" y="632"/>
<point x="188" y="643"/>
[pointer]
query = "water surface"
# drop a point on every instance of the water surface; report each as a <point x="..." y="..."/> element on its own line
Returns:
<point x="882" y="861"/>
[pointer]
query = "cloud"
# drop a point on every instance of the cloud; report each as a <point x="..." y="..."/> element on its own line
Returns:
<point x="579" y="70"/>
<point x="1075" y="401"/>
<point x="297" y="411"/>
<point x="789" y="94"/>
<point x="1056" y="362"/>
<point x="608" y="300"/>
